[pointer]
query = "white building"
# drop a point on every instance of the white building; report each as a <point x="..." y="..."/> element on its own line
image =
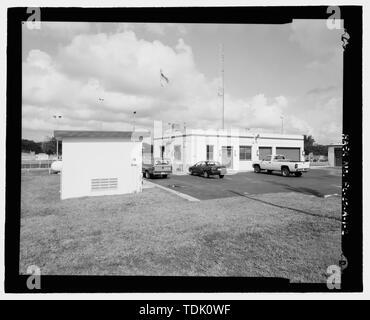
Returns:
<point x="99" y="163"/>
<point x="235" y="148"/>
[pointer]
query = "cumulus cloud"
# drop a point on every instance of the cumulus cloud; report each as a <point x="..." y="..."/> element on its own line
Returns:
<point x="157" y="29"/>
<point x="315" y="38"/>
<point x="162" y="28"/>
<point x="97" y="80"/>
<point x="65" y="29"/>
<point x="121" y="69"/>
<point x="60" y="31"/>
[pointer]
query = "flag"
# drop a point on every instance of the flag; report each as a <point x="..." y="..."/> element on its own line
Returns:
<point x="220" y="92"/>
<point x="175" y="127"/>
<point x="163" y="77"/>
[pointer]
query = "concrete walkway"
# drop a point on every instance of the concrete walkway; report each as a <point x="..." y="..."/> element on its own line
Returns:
<point x="149" y="184"/>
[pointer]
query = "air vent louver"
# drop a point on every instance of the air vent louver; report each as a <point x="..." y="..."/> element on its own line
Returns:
<point x="104" y="184"/>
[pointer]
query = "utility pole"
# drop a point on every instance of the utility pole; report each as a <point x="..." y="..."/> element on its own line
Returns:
<point x="101" y="100"/>
<point x="55" y="116"/>
<point x="222" y="90"/>
<point x="134" y="122"/>
<point x="184" y="149"/>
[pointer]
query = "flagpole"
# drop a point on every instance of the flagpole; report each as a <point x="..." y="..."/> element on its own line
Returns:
<point x="133" y="128"/>
<point x="222" y="84"/>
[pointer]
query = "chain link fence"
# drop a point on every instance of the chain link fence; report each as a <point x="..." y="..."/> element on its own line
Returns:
<point x="36" y="164"/>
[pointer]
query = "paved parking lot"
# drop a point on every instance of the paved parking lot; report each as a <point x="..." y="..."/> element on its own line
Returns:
<point x="318" y="182"/>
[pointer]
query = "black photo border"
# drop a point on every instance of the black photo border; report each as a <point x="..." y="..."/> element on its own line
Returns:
<point x="352" y="129"/>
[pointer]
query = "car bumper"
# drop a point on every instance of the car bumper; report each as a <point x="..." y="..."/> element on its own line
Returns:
<point x="218" y="172"/>
<point x="162" y="173"/>
<point x="301" y="170"/>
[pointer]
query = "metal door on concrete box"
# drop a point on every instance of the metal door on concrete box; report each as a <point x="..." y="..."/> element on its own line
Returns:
<point x="227" y="156"/>
<point x="338" y="156"/>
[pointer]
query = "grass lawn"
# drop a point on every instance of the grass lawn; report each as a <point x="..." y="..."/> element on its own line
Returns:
<point x="158" y="233"/>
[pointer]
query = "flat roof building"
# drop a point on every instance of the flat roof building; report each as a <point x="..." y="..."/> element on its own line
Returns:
<point x="235" y="148"/>
<point x="99" y="163"/>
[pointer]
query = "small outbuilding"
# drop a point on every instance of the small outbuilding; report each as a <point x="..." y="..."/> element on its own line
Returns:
<point x="99" y="163"/>
<point x="335" y="155"/>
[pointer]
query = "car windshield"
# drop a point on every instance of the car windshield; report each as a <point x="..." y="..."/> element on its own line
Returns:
<point x="213" y="163"/>
<point x="161" y="161"/>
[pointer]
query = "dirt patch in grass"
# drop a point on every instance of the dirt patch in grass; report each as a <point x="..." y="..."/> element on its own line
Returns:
<point x="158" y="233"/>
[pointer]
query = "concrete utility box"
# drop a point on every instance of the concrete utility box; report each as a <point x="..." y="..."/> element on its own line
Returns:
<point x="97" y="163"/>
<point x="335" y="155"/>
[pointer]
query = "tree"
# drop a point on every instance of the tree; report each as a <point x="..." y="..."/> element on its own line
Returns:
<point x="49" y="146"/>
<point x="320" y="150"/>
<point x="308" y="143"/>
<point x="315" y="148"/>
<point x="31" y="146"/>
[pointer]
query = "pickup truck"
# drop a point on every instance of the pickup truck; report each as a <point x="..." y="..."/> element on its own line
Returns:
<point x="280" y="163"/>
<point x="158" y="168"/>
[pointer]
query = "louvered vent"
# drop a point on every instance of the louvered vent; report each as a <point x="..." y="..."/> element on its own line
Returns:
<point x="104" y="184"/>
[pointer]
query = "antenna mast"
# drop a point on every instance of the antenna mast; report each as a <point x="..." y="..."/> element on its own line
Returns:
<point x="222" y="90"/>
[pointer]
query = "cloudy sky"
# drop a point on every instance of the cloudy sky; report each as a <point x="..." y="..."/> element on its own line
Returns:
<point x="96" y="74"/>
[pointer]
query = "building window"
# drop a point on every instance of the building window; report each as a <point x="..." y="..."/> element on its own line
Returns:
<point x="177" y="152"/>
<point x="209" y="152"/>
<point x="245" y="153"/>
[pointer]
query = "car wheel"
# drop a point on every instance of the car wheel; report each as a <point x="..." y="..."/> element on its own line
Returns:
<point x="257" y="169"/>
<point x="165" y="176"/>
<point x="298" y="174"/>
<point x="269" y="171"/>
<point x="285" y="172"/>
<point x="205" y="174"/>
<point x="147" y="175"/>
<point x="221" y="176"/>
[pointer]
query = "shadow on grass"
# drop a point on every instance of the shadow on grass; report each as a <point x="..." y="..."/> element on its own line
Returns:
<point x="303" y="190"/>
<point x="284" y="207"/>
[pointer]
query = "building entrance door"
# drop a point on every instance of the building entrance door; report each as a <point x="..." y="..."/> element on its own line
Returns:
<point x="264" y="152"/>
<point x="227" y="156"/>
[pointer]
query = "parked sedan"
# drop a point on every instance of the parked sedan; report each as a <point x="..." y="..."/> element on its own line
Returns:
<point x="208" y="168"/>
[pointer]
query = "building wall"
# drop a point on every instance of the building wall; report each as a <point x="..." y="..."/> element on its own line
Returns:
<point x="196" y="142"/>
<point x="85" y="159"/>
<point x="331" y="158"/>
<point x="331" y="154"/>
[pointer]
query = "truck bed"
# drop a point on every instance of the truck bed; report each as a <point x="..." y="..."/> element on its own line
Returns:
<point x="150" y="169"/>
